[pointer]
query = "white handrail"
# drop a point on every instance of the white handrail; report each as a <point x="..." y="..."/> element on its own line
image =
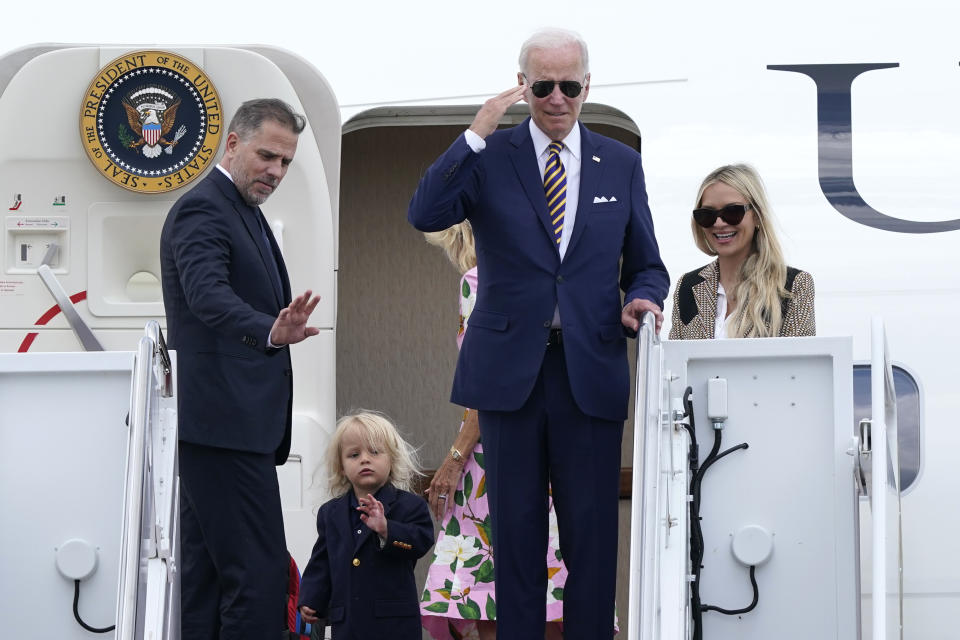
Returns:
<point x="646" y="448"/>
<point x="887" y="625"/>
<point x="133" y="493"/>
<point x="80" y="328"/>
<point x="147" y="530"/>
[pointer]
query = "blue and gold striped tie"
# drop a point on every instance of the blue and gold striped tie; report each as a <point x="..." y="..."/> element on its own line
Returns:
<point x="555" y="188"/>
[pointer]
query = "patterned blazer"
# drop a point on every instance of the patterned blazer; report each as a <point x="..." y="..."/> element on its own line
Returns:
<point x="695" y="304"/>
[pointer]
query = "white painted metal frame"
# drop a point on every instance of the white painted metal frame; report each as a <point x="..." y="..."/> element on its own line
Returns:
<point x="148" y="546"/>
<point x="646" y="447"/>
<point x="659" y="568"/>
<point x="658" y="564"/>
<point x="63" y="442"/>
<point x="885" y="493"/>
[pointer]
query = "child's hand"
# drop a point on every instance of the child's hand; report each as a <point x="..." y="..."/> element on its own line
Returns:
<point x="309" y="615"/>
<point x="371" y="512"/>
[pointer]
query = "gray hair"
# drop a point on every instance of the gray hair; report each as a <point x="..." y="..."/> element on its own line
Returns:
<point x="552" y="39"/>
<point x="253" y="113"/>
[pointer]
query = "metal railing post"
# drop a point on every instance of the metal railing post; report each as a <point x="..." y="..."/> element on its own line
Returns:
<point x="146" y="531"/>
<point x="130" y="541"/>
<point x="646" y="448"/>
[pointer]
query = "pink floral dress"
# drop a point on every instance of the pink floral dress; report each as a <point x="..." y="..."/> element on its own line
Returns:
<point x="459" y="589"/>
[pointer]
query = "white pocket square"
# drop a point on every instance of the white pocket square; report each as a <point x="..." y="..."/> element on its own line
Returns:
<point x="597" y="199"/>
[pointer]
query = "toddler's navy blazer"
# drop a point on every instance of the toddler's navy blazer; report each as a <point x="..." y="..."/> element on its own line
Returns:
<point x="365" y="592"/>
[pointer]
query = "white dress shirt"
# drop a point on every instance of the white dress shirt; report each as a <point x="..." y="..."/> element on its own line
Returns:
<point x="569" y="156"/>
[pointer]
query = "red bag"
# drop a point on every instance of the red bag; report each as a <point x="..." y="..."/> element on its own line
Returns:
<point x="297" y="629"/>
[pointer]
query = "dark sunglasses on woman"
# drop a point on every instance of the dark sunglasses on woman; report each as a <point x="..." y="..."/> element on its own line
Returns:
<point x="732" y="214"/>
<point x="543" y="88"/>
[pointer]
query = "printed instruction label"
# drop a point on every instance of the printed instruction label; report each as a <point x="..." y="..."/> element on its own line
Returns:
<point x="11" y="287"/>
<point x="30" y="223"/>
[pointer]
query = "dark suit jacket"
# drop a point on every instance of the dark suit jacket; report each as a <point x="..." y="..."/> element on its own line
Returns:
<point x="221" y="300"/>
<point x="365" y="592"/>
<point x="695" y="304"/>
<point x="521" y="277"/>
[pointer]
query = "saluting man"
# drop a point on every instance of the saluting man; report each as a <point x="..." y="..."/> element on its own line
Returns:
<point x="562" y="224"/>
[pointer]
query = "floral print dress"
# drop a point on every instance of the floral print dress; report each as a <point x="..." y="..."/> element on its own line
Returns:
<point x="459" y="590"/>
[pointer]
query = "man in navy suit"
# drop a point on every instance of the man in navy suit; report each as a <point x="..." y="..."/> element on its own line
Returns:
<point x="561" y="222"/>
<point x="230" y="318"/>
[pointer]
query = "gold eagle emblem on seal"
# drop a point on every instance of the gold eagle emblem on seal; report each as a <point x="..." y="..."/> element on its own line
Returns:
<point x="151" y="121"/>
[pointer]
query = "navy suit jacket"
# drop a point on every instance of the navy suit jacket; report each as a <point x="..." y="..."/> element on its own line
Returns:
<point x="221" y="300"/>
<point x="522" y="280"/>
<point x="365" y="592"/>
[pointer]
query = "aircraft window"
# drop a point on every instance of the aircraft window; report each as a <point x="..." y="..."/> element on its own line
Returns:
<point x="908" y="417"/>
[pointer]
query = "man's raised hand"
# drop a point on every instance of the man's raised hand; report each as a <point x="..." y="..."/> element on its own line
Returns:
<point x="290" y="326"/>
<point x="492" y="111"/>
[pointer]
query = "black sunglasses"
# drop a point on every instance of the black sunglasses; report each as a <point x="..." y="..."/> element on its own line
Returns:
<point x="543" y="88"/>
<point x="731" y="214"/>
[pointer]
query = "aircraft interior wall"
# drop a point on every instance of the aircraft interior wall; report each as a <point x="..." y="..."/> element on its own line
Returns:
<point x="397" y="312"/>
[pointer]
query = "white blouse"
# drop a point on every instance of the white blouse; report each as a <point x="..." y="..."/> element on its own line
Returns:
<point x="722" y="324"/>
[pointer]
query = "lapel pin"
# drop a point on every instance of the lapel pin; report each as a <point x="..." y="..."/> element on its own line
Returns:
<point x="596" y="159"/>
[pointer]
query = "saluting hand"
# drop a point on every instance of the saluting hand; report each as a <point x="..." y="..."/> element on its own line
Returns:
<point x="290" y="326"/>
<point x="492" y="111"/>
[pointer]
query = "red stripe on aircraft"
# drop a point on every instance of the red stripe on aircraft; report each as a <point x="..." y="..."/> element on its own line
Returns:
<point x="49" y="315"/>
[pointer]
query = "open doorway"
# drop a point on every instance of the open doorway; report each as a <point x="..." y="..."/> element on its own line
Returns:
<point x="397" y="304"/>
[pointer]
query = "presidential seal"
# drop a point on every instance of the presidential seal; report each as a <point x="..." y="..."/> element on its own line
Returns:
<point x="151" y="121"/>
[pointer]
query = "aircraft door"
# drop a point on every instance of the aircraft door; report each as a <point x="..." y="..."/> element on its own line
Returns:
<point x="99" y="142"/>
<point x="751" y="525"/>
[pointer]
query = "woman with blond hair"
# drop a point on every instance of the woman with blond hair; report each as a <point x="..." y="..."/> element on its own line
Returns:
<point x="748" y="291"/>
<point x="458" y="598"/>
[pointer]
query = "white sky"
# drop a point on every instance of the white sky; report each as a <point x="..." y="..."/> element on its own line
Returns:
<point x="377" y="51"/>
